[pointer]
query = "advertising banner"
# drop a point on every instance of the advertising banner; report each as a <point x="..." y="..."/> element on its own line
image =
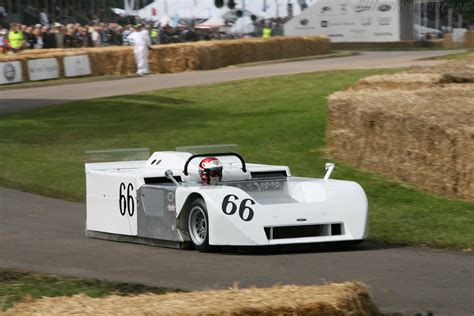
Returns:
<point x="75" y="66"/>
<point x="349" y="21"/>
<point x="42" y="69"/>
<point x="458" y="35"/>
<point x="10" y="72"/>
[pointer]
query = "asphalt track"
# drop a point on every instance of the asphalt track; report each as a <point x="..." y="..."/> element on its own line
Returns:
<point x="47" y="235"/>
<point x="12" y="101"/>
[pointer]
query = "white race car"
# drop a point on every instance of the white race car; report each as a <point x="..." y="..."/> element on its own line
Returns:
<point x="178" y="199"/>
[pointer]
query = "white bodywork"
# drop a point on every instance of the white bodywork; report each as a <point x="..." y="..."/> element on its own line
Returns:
<point x="264" y="205"/>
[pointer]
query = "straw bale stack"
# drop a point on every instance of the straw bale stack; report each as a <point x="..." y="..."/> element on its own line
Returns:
<point x="448" y="40"/>
<point x="452" y="72"/>
<point x="332" y="299"/>
<point x="424" y="137"/>
<point x="403" y="80"/>
<point x="187" y="56"/>
<point x="469" y="39"/>
<point x="374" y="45"/>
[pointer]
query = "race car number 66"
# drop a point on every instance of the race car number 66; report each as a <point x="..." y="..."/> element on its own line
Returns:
<point x="245" y="212"/>
<point x="126" y="203"/>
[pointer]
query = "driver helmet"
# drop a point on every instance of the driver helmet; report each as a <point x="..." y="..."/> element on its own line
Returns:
<point x="210" y="170"/>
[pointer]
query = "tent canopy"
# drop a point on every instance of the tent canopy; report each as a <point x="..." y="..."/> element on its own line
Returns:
<point x="214" y="22"/>
<point x="243" y="25"/>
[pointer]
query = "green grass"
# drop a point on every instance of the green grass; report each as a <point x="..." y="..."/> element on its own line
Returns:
<point x="458" y="56"/>
<point x="278" y="120"/>
<point x="16" y="286"/>
<point x="62" y="81"/>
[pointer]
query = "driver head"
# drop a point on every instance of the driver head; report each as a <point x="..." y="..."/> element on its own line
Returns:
<point x="210" y="170"/>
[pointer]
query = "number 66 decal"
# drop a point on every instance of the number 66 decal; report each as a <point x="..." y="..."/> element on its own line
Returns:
<point x="243" y="207"/>
<point x="126" y="202"/>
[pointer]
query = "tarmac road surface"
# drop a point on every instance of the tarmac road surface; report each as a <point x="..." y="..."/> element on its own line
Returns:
<point x="12" y="101"/>
<point x="47" y="235"/>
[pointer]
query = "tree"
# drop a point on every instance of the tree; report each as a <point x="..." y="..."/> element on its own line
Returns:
<point x="231" y="4"/>
<point x="463" y="7"/>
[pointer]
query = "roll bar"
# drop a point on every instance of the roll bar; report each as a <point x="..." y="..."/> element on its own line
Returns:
<point x="244" y="168"/>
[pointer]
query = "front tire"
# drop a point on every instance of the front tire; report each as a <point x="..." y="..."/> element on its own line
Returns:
<point x="198" y="225"/>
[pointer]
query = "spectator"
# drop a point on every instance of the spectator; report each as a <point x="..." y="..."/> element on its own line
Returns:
<point x="70" y="40"/>
<point x="49" y="40"/>
<point x="267" y="31"/>
<point x="102" y="34"/>
<point x="43" y="17"/>
<point x="126" y="32"/>
<point x="38" y="34"/>
<point x="95" y="36"/>
<point x="59" y="35"/>
<point x="30" y="38"/>
<point x="16" y="38"/>
<point x="4" y="41"/>
<point x="140" y="39"/>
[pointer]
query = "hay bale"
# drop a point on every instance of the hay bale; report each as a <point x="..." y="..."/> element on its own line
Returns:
<point x="119" y="60"/>
<point x="469" y="39"/>
<point x="374" y="45"/>
<point x="452" y="72"/>
<point x="448" y="40"/>
<point x="424" y="137"/>
<point x="403" y="80"/>
<point x="332" y="299"/>
<point x="415" y="126"/>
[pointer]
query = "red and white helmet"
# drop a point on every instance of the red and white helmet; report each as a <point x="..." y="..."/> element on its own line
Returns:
<point x="210" y="170"/>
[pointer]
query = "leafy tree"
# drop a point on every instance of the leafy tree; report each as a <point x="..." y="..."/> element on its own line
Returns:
<point x="463" y="7"/>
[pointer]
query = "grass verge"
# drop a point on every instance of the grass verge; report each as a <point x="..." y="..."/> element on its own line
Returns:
<point x="458" y="56"/>
<point x="60" y="82"/>
<point x="277" y="120"/>
<point x="17" y="286"/>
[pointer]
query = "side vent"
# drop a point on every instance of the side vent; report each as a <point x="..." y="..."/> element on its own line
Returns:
<point x="336" y="229"/>
<point x="303" y="231"/>
<point x="161" y="180"/>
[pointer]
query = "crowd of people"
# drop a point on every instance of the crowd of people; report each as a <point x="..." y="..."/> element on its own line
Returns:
<point x="20" y="37"/>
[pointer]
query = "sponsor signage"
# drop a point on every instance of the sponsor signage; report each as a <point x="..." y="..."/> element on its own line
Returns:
<point x="43" y="69"/>
<point x="75" y="66"/>
<point x="458" y="35"/>
<point x="349" y="20"/>
<point x="10" y="72"/>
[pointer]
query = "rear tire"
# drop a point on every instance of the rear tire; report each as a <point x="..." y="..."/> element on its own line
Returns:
<point x="198" y="225"/>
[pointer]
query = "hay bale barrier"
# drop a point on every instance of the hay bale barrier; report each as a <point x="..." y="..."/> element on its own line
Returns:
<point x="469" y="39"/>
<point x="349" y="298"/>
<point x="119" y="60"/>
<point x="416" y="127"/>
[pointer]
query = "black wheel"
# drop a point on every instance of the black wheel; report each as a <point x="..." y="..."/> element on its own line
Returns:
<point x="198" y="226"/>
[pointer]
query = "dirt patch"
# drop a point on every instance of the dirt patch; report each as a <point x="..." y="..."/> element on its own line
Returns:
<point x="416" y="126"/>
<point x="333" y="299"/>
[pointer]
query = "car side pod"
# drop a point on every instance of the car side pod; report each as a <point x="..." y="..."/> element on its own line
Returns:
<point x="329" y="168"/>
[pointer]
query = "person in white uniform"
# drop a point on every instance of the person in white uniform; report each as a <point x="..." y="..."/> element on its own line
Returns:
<point x="140" y="39"/>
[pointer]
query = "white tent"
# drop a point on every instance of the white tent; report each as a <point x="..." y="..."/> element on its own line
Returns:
<point x="205" y="8"/>
<point x="421" y="31"/>
<point x="192" y="13"/>
<point x="243" y="25"/>
<point x="214" y="22"/>
<point x="165" y="20"/>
